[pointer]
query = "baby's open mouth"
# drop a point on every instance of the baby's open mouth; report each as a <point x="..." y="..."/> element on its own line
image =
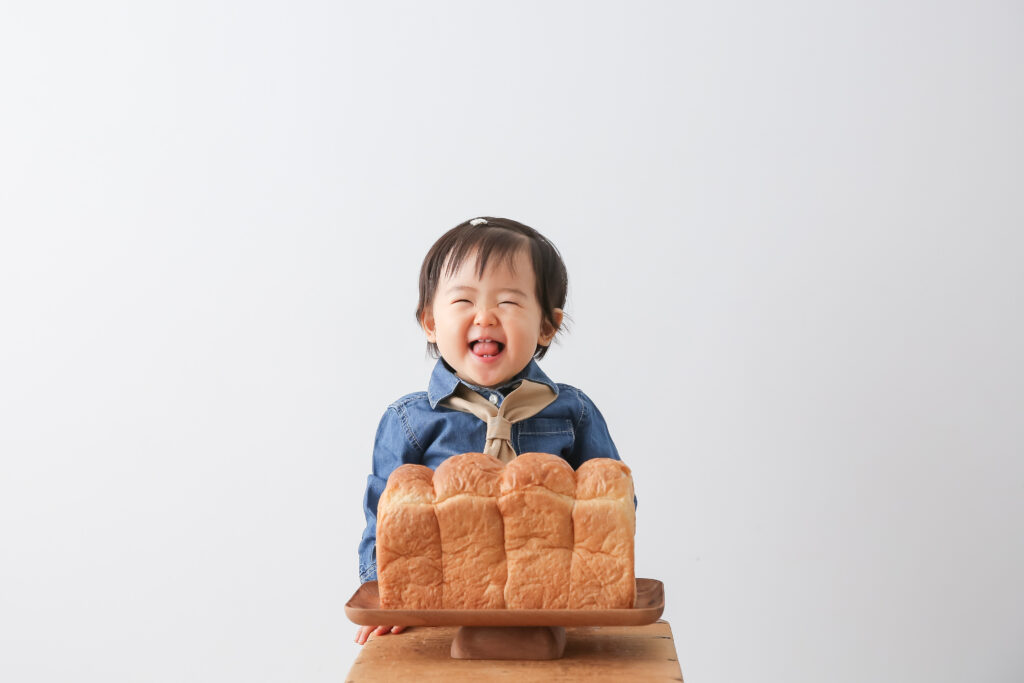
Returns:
<point x="486" y="348"/>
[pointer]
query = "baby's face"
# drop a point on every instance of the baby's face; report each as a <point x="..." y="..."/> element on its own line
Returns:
<point x="488" y="328"/>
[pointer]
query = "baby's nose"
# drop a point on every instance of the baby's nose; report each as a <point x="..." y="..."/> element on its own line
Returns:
<point x="484" y="317"/>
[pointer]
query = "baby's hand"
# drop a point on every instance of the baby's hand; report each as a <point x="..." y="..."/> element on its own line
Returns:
<point x="365" y="632"/>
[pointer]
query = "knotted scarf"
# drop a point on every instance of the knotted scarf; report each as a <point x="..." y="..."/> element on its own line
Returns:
<point x="528" y="399"/>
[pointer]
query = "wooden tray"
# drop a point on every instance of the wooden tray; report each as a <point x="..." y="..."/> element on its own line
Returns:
<point x="364" y="609"/>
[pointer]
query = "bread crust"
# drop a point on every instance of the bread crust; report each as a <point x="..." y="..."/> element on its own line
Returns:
<point x="536" y="504"/>
<point x="472" y="532"/>
<point x="409" y="569"/>
<point x="604" y="524"/>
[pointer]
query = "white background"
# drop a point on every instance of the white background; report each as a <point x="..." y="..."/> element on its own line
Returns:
<point x="794" y="240"/>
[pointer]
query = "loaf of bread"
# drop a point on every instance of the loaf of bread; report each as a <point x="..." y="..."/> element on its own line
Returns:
<point x="472" y="536"/>
<point x="604" y="522"/>
<point x="477" y="534"/>
<point x="536" y="501"/>
<point x="409" y="541"/>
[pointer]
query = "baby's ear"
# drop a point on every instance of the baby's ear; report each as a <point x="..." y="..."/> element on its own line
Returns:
<point x="427" y="323"/>
<point x="547" y="332"/>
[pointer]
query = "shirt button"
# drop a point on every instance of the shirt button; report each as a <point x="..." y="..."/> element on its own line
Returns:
<point x="494" y="399"/>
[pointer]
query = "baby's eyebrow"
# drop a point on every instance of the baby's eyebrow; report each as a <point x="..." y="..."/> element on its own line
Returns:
<point x="467" y="288"/>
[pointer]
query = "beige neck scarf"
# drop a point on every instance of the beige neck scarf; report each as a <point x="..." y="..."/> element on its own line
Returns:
<point x="528" y="399"/>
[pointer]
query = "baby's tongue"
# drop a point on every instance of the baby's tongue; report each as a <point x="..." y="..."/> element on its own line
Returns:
<point x="485" y="348"/>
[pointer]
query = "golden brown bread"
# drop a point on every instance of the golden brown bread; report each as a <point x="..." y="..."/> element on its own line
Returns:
<point x="604" y="522"/>
<point x="472" y="536"/>
<point x="477" y="534"/>
<point x="408" y="541"/>
<point x="536" y="506"/>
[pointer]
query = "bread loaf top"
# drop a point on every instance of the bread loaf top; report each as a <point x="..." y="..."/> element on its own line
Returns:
<point x="604" y="478"/>
<point x="473" y="473"/>
<point x="410" y="485"/>
<point x="539" y="469"/>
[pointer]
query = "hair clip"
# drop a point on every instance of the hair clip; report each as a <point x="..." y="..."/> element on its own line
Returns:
<point x="478" y="221"/>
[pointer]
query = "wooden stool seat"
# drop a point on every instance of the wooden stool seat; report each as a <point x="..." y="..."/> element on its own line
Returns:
<point x="592" y="653"/>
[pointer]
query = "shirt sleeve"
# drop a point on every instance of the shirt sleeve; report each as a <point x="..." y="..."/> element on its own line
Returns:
<point x="392" y="447"/>
<point x="592" y="437"/>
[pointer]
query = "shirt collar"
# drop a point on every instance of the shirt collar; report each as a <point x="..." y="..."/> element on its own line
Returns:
<point x="443" y="381"/>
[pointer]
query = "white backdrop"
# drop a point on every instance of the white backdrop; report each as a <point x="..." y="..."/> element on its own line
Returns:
<point x="794" y="240"/>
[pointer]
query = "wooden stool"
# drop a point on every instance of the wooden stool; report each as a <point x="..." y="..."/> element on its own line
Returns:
<point x="592" y="653"/>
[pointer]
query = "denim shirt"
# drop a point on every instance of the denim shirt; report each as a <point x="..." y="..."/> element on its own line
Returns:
<point x="415" y="429"/>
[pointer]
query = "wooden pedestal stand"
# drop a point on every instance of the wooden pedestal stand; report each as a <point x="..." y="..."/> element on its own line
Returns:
<point x="509" y="642"/>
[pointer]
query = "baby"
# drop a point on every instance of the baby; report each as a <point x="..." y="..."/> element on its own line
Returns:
<point x="491" y="298"/>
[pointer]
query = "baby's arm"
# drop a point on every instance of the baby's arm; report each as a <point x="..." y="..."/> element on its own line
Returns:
<point x="391" y="448"/>
<point x="592" y="438"/>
